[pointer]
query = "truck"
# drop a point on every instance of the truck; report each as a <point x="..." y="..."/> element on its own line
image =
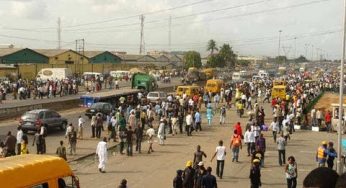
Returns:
<point x="54" y="74"/>
<point x="144" y="81"/>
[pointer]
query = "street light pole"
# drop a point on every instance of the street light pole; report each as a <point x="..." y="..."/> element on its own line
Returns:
<point x="279" y="42"/>
<point x="341" y="100"/>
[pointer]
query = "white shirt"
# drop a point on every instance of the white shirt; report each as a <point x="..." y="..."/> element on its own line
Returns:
<point x="275" y="126"/>
<point x="249" y="137"/>
<point x="188" y="119"/>
<point x="220" y="153"/>
<point x="19" y="136"/>
<point x="81" y="122"/>
<point x="256" y="130"/>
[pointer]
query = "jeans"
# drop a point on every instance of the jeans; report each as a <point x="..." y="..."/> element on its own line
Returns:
<point x="222" y="119"/>
<point x="274" y="135"/>
<point x="188" y="130"/>
<point x="250" y="148"/>
<point x="291" y="182"/>
<point x="92" y="131"/>
<point x="139" y="144"/>
<point x="198" y="126"/>
<point x="98" y="131"/>
<point x="235" y="153"/>
<point x="129" y="148"/>
<point x="282" y="157"/>
<point x="219" y="167"/>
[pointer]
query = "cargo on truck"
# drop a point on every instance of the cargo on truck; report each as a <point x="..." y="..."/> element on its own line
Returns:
<point x="144" y="81"/>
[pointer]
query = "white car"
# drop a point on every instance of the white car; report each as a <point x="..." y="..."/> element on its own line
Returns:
<point x="156" y="96"/>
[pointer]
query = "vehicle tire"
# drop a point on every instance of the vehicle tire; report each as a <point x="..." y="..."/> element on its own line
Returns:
<point x="63" y="126"/>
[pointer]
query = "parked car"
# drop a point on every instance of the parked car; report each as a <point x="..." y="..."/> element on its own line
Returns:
<point x="156" y="96"/>
<point x="31" y="120"/>
<point x="99" y="107"/>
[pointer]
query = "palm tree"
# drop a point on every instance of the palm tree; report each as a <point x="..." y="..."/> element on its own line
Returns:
<point x="211" y="46"/>
<point x="228" y="54"/>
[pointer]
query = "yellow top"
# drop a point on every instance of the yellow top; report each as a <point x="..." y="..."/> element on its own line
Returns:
<point x="26" y="170"/>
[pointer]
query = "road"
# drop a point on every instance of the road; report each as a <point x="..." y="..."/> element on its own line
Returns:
<point x="158" y="169"/>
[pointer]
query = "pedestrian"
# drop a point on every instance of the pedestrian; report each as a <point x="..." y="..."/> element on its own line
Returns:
<point x="198" y="156"/>
<point x="24" y="145"/>
<point x="123" y="184"/>
<point x="238" y="130"/>
<point x="281" y="142"/>
<point x="331" y="155"/>
<point x="129" y="140"/>
<point x="38" y="141"/>
<point x="43" y="133"/>
<point x="161" y="132"/>
<point x="198" y="120"/>
<point x="102" y="154"/>
<point x="261" y="145"/>
<point x="81" y="123"/>
<point x="139" y="138"/>
<point x="61" y="151"/>
<point x="274" y="126"/>
<point x="222" y="114"/>
<point x="200" y="172"/>
<point x="72" y="138"/>
<point x="150" y="133"/>
<point x="93" y="123"/>
<point x="328" y="121"/>
<point x="178" y="180"/>
<point x="235" y="146"/>
<point x="255" y="174"/>
<point x="114" y="126"/>
<point x="19" y="139"/>
<point x="208" y="180"/>
<point x="210" y="114"/>
<point x="189" y="122"/>
<point x="249" y="140"/>
<point x="291" y="172"/>
<point x="220" y="154"/>
<point x="174" y="121"/>
<point x="10" y="145"/>
<point x="99" y="124"/>
<point x="321" y="154"/>
<point x="188" y="175"/>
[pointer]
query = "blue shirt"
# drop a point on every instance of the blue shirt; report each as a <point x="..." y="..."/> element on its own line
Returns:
<point x="197" y="117"/>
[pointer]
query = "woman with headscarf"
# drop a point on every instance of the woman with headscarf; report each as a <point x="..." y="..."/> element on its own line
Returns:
<point x="210" y="114"/>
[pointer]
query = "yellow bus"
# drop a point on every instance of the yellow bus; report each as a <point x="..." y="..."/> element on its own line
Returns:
<point x="36" y="171"/>
<point x="188" y="90"/>
<point x="214" y="85"/>
<point x="210" y="72"/>
<point x="279" y="91"/>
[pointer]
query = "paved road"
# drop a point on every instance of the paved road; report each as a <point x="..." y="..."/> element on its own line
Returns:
<point x="158" y="169"/>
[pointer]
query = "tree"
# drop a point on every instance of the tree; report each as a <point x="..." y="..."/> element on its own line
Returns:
<point x="192" y="59"/>
<point x="216" y="61"/>
<point x="212" y="46"/>
<point x="243" y="63"/>
<point x="301" y="59"/>
<point x="228" y="55"/>
<point x="281" y="59"/>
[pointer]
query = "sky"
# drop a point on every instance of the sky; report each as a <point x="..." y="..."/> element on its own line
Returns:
<point x="312" y="28"/>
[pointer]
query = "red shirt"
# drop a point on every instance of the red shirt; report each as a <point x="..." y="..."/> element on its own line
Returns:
<point x="328" y="117"/>
<point x="238" y="129"/>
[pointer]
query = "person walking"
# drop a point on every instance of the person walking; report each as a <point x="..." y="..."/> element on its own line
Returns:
<point x="178" y="180"/>
<point x="198" y="156"/>
<point x="220" y="154"/>
<point x="99" y="125"/>
<point x="281" y="142"/>
<point x="198" y="120"/>
<point x="261" y="145"/>
<point x="114" y="127"/>
<point x="222" y="114"/>
<point x="150" y="133"/>
<point x="102" y="154"/>
<point x="291" y="171"/>
<point x="235" y="146"/>
<point x="274" y="126"/>
<point x="249" y="139"/>
<point x="189" y="121"/>
<point x="255" y="174"/>
<point x="38" y="141"/>
<point x="139" y="138"/>
<point x="72" y="137"/>
<point x="93" y="123"/>
<point x="210" y="114"/>
<point x="161" y="132"/>
<point x="61" y="151"/>
<point x="19" y="139"/>
<point x="331" y="155"/>
<point x="208" y="180"/>
<point x="200" y="171"/>
<point x="129" y="140"/>
<point x="188" y="175"/>
<point x="24" y="145"/>
<point x="321" y="154"/>
<point x="81" y="123"/>
<point x="10" y="145"/>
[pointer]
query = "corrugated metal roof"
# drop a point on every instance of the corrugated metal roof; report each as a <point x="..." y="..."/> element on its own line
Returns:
<point x="129" y="57"/>
<point x="8" y="51"/>
<point x="91" y="54"/>
<point x="51" y="52"/>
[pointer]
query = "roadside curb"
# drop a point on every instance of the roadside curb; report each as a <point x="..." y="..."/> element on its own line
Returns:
<point x="90" y="154"/>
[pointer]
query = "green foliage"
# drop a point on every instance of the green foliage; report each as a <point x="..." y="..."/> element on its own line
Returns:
<point x="212" y="46"/>
<point x="192" y="59"/>
<point x="228" y="55"/>
<point x="301" y="59"/>
<point x="216" y="61"/>
<point x="281" y="59"/>
<point x="243" y="63"/>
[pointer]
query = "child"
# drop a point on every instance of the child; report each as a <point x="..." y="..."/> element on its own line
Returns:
<point x="24" y="145"/>
<point x="61" y="150"/>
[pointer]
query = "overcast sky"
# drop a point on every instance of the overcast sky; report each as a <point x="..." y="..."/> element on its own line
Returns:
<point x="251" y="27"/>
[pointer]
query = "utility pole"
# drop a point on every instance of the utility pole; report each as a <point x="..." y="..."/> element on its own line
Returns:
<point x="312" y="52"/>
<point x="295" y="48"/>
<point x="80" y="49"/>
<point x="141" y="45"/>
<point x="306" y="50"/>
<point x="169" y="33"/>
<point x="341" y="98"/>
<point x="59" y="33"/>
<point x="279" y="42"/>
<point x="287" y="50"/>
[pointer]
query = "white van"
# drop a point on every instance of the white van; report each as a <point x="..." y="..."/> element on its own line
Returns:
<point x="119" y="74"/>
<point x="54" y="74"/>
<point x="236" y="76"/>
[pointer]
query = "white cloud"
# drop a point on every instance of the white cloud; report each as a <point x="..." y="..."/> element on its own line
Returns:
<point x="29" y="9"/>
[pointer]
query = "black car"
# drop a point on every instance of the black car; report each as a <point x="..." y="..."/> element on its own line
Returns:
<point x="33" y="119"/>
<point x="99" y="107"/>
